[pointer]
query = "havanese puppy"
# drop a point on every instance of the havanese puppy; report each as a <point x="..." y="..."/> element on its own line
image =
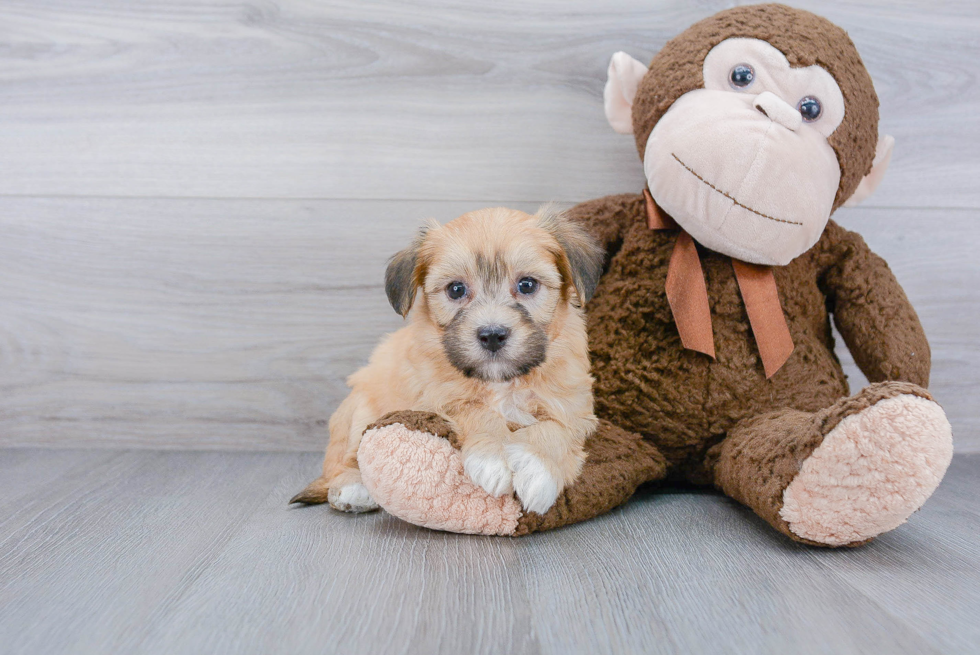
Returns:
<point x="495" y="342"/>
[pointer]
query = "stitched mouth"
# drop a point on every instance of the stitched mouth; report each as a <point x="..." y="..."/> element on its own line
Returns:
<point x="737" y="203"/>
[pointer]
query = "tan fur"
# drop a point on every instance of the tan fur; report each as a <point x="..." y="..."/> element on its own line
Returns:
<point x="547" y="410"/>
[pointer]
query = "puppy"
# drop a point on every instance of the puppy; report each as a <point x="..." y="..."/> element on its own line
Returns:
<point x="495" y="342"/>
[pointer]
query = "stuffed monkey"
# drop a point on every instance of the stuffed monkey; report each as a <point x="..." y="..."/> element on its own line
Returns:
<point x="710" y="329"/>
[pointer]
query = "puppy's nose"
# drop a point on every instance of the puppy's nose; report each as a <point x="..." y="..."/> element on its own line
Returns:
<point x="493" y="337"/>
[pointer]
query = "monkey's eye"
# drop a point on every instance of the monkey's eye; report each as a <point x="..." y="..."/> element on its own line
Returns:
<point x="741" y="76"/>
<point x="527" y="286"/>
<point x="810" y="109"/>
<point x="456" y="290"/>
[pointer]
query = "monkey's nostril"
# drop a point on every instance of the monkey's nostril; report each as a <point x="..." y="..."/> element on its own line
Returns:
<point x="777" y="110"/>
<point x="493" y="337"/>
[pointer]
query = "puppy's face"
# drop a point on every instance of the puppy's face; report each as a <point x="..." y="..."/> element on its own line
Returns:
<point x="494" y="281"/>
<point x="493" y="287"/>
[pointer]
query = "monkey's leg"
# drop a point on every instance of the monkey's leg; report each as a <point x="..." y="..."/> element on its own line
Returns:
<point x="411" y="466"/>
<point x="843" y="475"/>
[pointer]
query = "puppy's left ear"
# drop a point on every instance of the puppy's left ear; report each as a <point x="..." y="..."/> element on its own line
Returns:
<point x="581" y="257"/>
<point x="403" y="276"/>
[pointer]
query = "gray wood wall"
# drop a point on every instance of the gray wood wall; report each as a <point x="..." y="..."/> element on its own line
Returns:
<point x="197" y="198"/>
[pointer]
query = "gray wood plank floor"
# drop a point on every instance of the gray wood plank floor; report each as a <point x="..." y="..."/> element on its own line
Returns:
<point x="153" y="552"/>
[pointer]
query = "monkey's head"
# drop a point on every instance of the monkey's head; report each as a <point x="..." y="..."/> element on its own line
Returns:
<point x="754" y="125"/>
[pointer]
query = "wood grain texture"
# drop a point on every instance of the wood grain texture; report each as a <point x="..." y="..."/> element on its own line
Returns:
<point x="88" y="559"/>
<point x="150" y="552"/>
<point x="233" y="324"/>
<point x="440" y="99"/>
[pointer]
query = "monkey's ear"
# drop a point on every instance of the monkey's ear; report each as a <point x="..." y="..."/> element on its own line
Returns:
<point x="625" y="74"/>
<point x="870" y="182"/>
<point x="581" y="258"/>
<point x="403" y="276"/>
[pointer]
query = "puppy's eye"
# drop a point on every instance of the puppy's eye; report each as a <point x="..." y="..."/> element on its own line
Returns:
<point x="527" y="286"/>
<point x="741" y="76"/>
<point x="456" y="290"/>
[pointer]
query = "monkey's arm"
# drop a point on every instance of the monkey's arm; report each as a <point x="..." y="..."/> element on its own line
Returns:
<point x="608" y="218"/>
<point x="871" y="310"/>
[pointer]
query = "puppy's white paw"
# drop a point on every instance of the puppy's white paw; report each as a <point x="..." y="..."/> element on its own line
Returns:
<point x="489" y="472"/>
<point x="535" y="486"/>
<point x="353" y="498"/>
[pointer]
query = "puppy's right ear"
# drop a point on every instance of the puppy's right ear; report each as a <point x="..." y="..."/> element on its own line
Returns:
<point x="402" y="277"/>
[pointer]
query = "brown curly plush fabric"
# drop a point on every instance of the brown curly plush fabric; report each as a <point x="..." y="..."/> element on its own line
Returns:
<point x="646" y="382"/>
<point x="805" y="39"/>
<point x="720" y="420"/>
<point x="688" y="404"/>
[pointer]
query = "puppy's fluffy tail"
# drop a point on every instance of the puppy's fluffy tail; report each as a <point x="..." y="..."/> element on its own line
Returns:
<point x="315" y="493"/>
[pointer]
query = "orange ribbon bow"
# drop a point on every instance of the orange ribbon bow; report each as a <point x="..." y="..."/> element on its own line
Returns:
<point x="688" y="298"/>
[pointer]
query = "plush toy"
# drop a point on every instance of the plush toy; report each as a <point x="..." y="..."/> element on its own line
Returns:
<point x="710" y="328"/>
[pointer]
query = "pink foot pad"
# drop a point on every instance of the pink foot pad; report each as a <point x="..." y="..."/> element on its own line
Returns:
<point x="419" y="478"/>
<point x="872" y="471"/>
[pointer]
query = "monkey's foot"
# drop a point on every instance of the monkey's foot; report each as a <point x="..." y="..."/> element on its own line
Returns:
<point x="410" y="466"/>
<point x="870" y="472"/>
